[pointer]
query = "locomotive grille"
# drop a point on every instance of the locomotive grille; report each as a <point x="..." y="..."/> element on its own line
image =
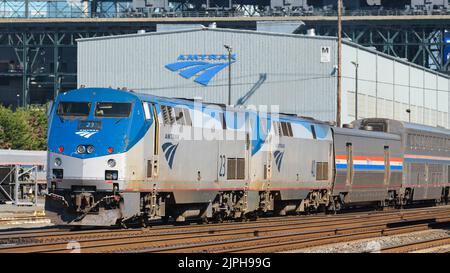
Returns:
<point x="168" y="115"/>
<point x="322" y="171"/>
<point x="240" y="173"/>
<point x="236" y="168"/>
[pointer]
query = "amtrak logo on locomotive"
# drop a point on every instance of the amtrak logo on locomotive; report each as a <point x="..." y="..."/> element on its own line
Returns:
<point x="86" y="134"/>
<point x="201" y="66"/>
<point x="169" y="152"/>
<point x="278" y="158"/>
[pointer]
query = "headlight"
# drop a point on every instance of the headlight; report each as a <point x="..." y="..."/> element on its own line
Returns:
<point x="58" y="162"/>
<point x="90" y="149"/>
<point x="81" y="149"/>
<point x="111" y="163"/>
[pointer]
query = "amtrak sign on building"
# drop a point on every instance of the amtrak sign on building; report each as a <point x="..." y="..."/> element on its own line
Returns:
<point x="201" y="67"/>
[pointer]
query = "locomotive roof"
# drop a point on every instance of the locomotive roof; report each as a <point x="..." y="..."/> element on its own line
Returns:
<point x="364" y="133"/>
<point x="400" y="126"/>
<point x="190" y="103"/>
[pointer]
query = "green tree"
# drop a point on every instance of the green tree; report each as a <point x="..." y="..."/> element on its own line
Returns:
<point x="36" y="118"/>
<point x="24" y="129"/>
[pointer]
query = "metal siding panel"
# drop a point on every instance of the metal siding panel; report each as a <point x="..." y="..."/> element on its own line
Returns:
<point x="416" y="95"/>
<point x="349" y="54"/>
<point x="401" y="91"/>
<point x="443" y="105"/>
<point x="295" y="76"/>
<point x="430" y="99"/>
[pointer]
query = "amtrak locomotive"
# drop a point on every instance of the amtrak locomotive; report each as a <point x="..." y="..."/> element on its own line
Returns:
<point x="118" y="157"/>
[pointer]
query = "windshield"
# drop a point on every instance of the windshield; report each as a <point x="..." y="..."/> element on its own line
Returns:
<point x="112" y="109"/>
<point x="78" y="109"/>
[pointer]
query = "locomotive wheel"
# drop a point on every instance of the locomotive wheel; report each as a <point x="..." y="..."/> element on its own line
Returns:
<point x="331" y="208"/>
<point x="337" y="205"/>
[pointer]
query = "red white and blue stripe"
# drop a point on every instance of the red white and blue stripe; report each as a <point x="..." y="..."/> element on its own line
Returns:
<point x="369" y="162"/>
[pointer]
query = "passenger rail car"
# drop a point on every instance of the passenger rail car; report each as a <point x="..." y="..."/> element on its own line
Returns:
<point x="116" y="157"/>
<point x="426" y="152"/>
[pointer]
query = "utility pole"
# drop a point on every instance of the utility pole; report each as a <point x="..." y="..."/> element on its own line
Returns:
<point x="230" y="49"/>
<point x="339" y="79"/>
<point x="356" y="89"/>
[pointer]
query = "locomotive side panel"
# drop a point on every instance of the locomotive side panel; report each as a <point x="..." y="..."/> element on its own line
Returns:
<point x="188" y="148"/>
<point x="302" y="159"/>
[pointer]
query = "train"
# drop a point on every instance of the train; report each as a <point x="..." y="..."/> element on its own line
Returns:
<point x="117" y="157"/>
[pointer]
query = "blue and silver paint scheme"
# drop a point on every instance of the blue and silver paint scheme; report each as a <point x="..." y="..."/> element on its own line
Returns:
<point x="180" y="158"/>
<point x="118" y="139"/>
<point x="122" y="134"/>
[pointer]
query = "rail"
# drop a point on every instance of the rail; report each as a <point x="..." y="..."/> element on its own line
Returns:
<point x="267" y="234"/>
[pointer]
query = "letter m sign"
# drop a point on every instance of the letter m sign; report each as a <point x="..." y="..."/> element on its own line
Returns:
<point x="325" y="54"/>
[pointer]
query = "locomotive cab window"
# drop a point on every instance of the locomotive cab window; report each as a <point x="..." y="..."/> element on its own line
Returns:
<point x="74" y="109"/>
<point x="147" y="114"/>
<point x="113" y="109"/>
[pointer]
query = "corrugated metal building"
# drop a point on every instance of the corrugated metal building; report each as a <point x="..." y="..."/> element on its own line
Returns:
<point x="296" y="72"/>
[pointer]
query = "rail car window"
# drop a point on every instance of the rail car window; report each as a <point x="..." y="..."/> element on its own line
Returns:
<point x="321" y="171"/>
<point x="113" y="109"/>
<point x="75" y="109"/>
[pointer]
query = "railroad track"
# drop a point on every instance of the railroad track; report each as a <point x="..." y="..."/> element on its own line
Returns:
<point x="404" y="248"/>
<point x="49" y="235"/>
<point x="266" y="235"/>
<point x="31" y="219"/>
<point x="54" y="235"/>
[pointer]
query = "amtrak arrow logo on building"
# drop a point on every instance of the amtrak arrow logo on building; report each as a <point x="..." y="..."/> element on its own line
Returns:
<point x="201" y="66"/>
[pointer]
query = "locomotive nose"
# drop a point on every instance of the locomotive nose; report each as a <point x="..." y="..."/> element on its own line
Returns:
<point x="98" y="171"/>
